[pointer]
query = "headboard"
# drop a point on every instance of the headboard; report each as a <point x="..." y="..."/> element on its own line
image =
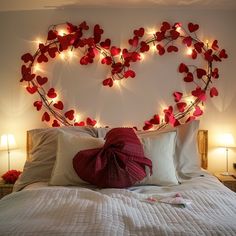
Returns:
<point x="202" y="147"/>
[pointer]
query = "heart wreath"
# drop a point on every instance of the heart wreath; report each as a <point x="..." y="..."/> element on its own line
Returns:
<point x="119" y="62"/>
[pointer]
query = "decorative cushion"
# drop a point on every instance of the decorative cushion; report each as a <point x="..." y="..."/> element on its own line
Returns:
<point x="119" y="163"/>
<point x="68" y="146"/>
<point x="41" y="153"/>
<point x="160" y="149"/>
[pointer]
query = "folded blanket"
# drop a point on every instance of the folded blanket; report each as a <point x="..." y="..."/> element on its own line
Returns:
<point x="119" y="163"/>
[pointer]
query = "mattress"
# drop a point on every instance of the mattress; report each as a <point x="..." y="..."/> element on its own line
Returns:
<point x="40" y="209"/>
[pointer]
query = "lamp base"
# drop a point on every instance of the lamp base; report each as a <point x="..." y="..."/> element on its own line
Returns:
<point x="226" y="174"/>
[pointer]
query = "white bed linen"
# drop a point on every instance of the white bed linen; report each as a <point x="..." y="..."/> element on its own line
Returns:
<point x="45" y="210"/>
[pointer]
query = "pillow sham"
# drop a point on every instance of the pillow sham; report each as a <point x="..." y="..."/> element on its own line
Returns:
<point x="160" y="149"/>
<point x="186" y="159"/>
<point x="68" y="146"/>
<point x="41" y="153"/>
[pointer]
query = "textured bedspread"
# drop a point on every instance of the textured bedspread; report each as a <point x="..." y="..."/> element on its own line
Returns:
<point x="81" y="211"/>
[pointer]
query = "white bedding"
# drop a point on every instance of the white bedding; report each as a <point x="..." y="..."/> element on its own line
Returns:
<point x="44" y="210"/>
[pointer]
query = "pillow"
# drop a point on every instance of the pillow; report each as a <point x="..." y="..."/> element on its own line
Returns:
<point x="68" y="146"/>
<point x="186" y="157"/>
<point x="41" y="153"/>
<point x="119" y="163"/>
<point x="160" y="149"/>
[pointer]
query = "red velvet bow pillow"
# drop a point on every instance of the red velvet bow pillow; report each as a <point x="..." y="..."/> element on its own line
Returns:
<point x="120" y="163"/>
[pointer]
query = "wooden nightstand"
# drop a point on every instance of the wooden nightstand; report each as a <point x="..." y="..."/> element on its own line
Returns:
<point x="228" y="181"/>
<point x="5" y="189"/>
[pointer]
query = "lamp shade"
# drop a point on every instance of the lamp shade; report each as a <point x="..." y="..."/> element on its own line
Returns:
<point x="226" y="140"/>
<point x="7" y="142"/>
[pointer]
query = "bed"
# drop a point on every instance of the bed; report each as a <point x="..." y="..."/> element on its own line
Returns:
<point x="46" y="203"/>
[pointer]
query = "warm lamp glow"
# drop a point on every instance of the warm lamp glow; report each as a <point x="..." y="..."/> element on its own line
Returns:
<point x="8" y="143"/>
<point x="189" y="51"/>
<point x="226" y="140"/>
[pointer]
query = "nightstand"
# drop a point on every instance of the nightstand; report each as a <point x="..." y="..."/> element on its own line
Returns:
<point x="228" y="181"/>
<point x="5" y="189"/>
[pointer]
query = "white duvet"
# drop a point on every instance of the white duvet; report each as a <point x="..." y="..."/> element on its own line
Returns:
<point x="45" y="210"/>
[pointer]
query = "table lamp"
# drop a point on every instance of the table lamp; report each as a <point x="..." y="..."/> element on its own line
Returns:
<point x="226" y="141"/>
<point x="7" y="144"/>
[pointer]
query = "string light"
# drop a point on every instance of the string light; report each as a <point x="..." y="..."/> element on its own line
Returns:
<point x="189" y="51"/>
<point x="61" y="32"/>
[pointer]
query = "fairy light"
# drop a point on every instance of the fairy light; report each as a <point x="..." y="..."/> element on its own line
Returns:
<point x="142" y="56"/>
<point x="61" y="32"/>
<point x="62" y="56"/>
<point x="189" y="51"/>
<point x="36" y="68"/>
<point x="178" y="27"/>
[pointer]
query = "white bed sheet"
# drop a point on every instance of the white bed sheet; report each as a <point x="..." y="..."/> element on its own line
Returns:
<point x="45" y="210"/>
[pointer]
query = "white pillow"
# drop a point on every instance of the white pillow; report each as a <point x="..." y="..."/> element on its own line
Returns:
<point x="68" y="146"/>
<point x="160" y="149"/>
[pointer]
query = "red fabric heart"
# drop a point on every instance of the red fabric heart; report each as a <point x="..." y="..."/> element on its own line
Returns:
<point x="155" y="120"/>
<point x="165" y="26"/>
<point x="129" y="73"/>
<point x="59" y="105"/>
<point x="27" y="57"/>
<point x="32" y="89"/>
<point x="194" y="54"/>
<point x="223" y="54"/>
<point x="52" y="34"/>
<point x="215" y="45"/>
<point x="183" y="68"/>
<point x="108" y="82"/>
<point x="201" y="72"/>
<point x="177" y="96"/>
<point x="84" y="25"/>
<point x="181" y="106"/>
<point x="41" y="80"/>
<point x="26" y="74"/>
<point x="174" y="34"/>
<point x="190" y="118"/>
<point x="119" y="163"/>
<point x="107" y="60"/>
<point x="144" y="47"/>
<point x="45" y="117"/>
<point x="208" y="55"/>
<point x="214" y="92"/>
<point x="42" y="58"/>
<point x="197" y="112"/>
<point x="193" y="27"/>
<point x="172" y="48"/>
<point x="160" y="36"/>
<point x="52" y="52"/>
<point x="139" y="33"/>
<point x="55" y="123"/>
<point x="98" y="30"/>
<point x="71" y="28"/>
<point x="106" y="44"/>
<point x="161" y="49"/>
<point x="38" y="105"/>
<point x="134" y="41"/>
<point x="147" y="125"/>
<point x="91" y="122"/>
<point x="199" y="93"/>
<point x="187" y="40"/>
<point x="70" y="114"/>
<point x="215" y="73"/>
<point x="51" y="93"/>
<point x="198" y="46"/>
<point x="81" y="123"/>
<point x="115" y="51"/>
<point x="189" y="77"/>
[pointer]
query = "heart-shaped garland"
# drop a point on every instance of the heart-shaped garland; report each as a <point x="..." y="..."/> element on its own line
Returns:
<point x="119" y="62"/>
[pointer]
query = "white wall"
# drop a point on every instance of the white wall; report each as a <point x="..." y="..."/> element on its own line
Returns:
<point x="137" y="99"/>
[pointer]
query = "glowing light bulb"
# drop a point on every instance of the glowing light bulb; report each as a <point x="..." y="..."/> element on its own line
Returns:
<point x="142" y="56"/>
<point x="62" y="56"/>
<point x="178" y="27"/>
<point x="189" y="51"/>
<point x="70" y="54"/>
<point x="36" y="68"/>
<point x="38" y="41"/>
<point x="61" y="32"/>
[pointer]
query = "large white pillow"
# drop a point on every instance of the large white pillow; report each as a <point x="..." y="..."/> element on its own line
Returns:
<point x="160" y="149"/>
<point x="68" y="146"/>
<point x="41" y="153"/>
